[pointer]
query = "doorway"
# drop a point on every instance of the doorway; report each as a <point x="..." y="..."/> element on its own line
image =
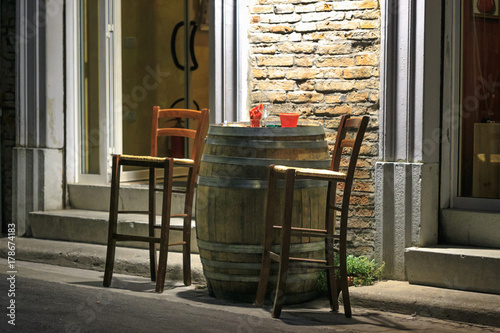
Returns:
<point x="135" y="55"/>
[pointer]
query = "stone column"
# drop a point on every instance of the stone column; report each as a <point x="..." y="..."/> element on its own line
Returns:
<point x="7" y="106"/>
<point x="407" y="175"/>
<point x="38" y="153"/>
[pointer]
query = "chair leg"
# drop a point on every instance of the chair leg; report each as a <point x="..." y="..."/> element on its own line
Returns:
<point x="330" y="258"/>
<point x="268" y="240"/>
<point x="186" y="230"/>
<point x="153" y="257"/>
<point x="285" y="243"/>
<point x="113" y="221"/>
<point x="165" y="226"/>
<point x="330" y="280"/>
<point x="344" y="284"/>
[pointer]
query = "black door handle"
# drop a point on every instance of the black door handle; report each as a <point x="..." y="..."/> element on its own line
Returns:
<point x="191" y="45"/>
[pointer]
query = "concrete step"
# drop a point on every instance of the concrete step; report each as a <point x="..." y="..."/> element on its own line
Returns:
<point x="132" y="197"/>
<point x="455" y="267"/>
<point x="88" y="226"/>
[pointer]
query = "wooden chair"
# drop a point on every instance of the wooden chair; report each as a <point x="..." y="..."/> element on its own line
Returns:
<point x="158" y="267"/>
<point x="335" y="240"/>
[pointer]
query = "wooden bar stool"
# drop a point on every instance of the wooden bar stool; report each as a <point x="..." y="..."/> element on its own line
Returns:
<point x="158" y="267"/>
<point x="335" y="240"/>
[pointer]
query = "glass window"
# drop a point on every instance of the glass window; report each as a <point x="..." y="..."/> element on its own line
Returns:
<point x="89" y="74"/>
<point x="480" y="97"/>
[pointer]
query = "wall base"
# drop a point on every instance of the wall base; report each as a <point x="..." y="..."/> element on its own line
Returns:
<point x="406" y="211"/>
<point x="37" y="184"/>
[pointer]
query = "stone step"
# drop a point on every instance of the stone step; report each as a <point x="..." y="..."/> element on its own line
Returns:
<point x="88" y="226"/>
<point x="455" y="267"/>
<point x="132" y="197"/>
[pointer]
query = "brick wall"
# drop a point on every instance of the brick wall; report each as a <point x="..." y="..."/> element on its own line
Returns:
<point x="8" y="103"/>
<point x="321" y="59"/>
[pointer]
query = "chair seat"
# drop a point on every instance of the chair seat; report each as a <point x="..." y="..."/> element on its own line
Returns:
<point x="310" y="173"/>
<point x="126" y="159"/>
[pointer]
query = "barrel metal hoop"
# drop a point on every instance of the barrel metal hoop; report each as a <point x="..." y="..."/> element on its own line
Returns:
<point x="292" y="278"/>
<point x="257" y="249"/>
<point x="265" y="144"/>
<point x="266" y="131"/>
<point x="255" y="184"/>
<point x="246" y="161"/>
<point x="232" y="265"/>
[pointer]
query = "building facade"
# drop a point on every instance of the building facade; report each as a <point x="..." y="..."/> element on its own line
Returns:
<point x="87" y="73"/>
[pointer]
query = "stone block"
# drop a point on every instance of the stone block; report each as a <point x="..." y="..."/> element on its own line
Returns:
<point x="259" y="73"/>
<point x="307" y="85"/>
<point x="283" y="18"/>
<point x="340" y="61"/>
<point x="356" y="97"/>
<point x="284" y="85"/>
<point x="469" y="228"/>
<point x="303" y="73"/>
<point x="277" y="61"/>
<point x="305" y="61"/>
<point x="334" y="86"/>
<point x="305" y="8"/>
<point x="463" y="268"/>
<point x="276" y="73"/>
<point x="335" y="99"/>
<point x="358" y="73"/>
<point x="267" y="49"/>
<point x="92" y="227"/>
<point x="261" y="9"/>
<point x="305" y="97"/>
<point x="323" y="7"/>
<point x="340" y="48"/>
<point x="284" y="9"/>
<point x="315" y="17"/>
<point x="282" y="29"/>
<point x="355" y="5"/>
<point x="297" y="47"/>
<point x="38" y="183"/>
<point x="305" y="27"/>
<point x="372" y="59"/>
<point x="367" y="15"/>
<point x="369" y="24"/>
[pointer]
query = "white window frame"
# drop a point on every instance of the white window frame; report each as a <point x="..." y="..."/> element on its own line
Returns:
<point x="451" y="118"/>
<point x="110" y="96"/>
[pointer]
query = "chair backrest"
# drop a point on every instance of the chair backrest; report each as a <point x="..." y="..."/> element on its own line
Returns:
<point x="347" y="125"/>
<point x="198" y="134"/>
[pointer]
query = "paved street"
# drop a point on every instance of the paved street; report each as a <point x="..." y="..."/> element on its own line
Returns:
<point x="56" y="299"/>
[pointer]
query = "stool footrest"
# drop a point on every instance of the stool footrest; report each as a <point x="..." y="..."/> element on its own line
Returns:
<point x="179" y="215"/>
<point x="303" y="262"/>
<point x="177" y="243"/>
<point x="274" y="256"/>
<point x="310" y="263"/>
<point x="295" y="229"/>
<point x="134" y="238"/>
<point x="133" y="212"/>
<point x="306" y="232"/>
<point x="172" y="227"/>
<point x="158" y="189"/>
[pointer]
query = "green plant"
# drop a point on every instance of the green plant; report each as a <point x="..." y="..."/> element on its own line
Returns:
<point x="363" y="270"/>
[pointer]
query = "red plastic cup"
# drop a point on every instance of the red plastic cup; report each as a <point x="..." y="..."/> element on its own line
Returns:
<point x="289" y="119"/>
<point x="255" y="122"/>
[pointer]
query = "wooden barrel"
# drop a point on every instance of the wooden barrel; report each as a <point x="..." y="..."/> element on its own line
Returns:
<point x="230" y="207"/>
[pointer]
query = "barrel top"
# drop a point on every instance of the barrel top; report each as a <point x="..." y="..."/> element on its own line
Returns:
<point x="300" y="130"/>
